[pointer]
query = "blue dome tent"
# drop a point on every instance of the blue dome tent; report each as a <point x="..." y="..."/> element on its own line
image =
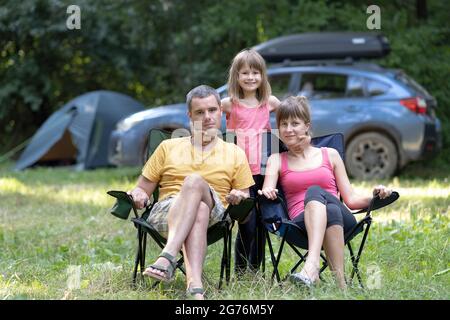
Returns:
<point x="78" y="133"/>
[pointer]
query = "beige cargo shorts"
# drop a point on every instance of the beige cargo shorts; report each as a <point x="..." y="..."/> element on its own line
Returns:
<point x="158" y="216"/>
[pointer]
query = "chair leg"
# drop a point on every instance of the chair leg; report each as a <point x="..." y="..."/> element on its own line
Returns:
<point x="261" y="247"/>
<point x="223" y="262"/>
<point x="272" y="257"/>
<point x="302" y="257"/>
<point x="138" y="255"/>
<point x="355" y="260"/>
<point x="263" y="261"/>
<point x="352" y="257"/>
<point x="324" y="263"/>
<point x="324" y="266"/>
<point x="228" y="274"/>
<point x="180" y="263"/>
<point x="262" y="234"/>
<point x="144" y="251"/>
<point x="277" y="262"/>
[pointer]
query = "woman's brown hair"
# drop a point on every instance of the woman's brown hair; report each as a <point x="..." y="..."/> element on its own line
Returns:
<point x="294" y="107"/>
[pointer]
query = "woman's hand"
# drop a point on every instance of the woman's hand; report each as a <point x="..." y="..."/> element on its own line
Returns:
<point x="269" y="193"/>
<point x="382" y="191"/>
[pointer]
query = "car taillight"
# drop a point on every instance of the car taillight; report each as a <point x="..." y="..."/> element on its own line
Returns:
<point x="417" y="104"/>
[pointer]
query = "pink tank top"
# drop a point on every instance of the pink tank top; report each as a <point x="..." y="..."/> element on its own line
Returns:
<point x="249" y="124"/>
<point x="296" y="183"/>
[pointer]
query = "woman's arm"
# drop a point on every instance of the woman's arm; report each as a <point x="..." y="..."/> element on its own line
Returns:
<point x="350" y="197"/>
<point x="274" y="103"/>
<point x="271" y="177"/>
<point x="353" y="200"/>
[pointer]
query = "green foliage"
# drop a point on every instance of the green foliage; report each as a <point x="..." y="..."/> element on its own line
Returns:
<point x="422" y="50"/>
<point x="156" y="50"/>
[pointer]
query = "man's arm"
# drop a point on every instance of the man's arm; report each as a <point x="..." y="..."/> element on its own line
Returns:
<point x="142" y="192"/>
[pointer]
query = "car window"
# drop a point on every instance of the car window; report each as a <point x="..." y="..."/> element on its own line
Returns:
<point x="355" y="87"/>
<point x="223" y="91"/>
<point x="376" y="88"/>
<point x="323" y="85"/>
<point x="280" y="85"/>
<point x="405" y="79"/>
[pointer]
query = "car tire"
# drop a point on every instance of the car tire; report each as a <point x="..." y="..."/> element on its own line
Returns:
<point x="371" y="155"/>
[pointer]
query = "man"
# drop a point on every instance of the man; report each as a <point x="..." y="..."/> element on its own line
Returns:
<point x="198" y="177"/>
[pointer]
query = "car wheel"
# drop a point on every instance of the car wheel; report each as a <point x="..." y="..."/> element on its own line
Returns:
<point x="371" y="155"/>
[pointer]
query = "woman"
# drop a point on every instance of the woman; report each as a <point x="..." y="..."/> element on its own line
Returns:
<point x="311" y="179"/>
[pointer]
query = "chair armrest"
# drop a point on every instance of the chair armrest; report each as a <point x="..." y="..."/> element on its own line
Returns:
<point x="377" y="203"/>
<point x="273" y="210"/>
<point x="123" y="205"/>
<point x="241" y="211"/>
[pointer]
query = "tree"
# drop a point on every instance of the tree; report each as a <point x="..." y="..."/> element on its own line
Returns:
<point x="421" y="9"/>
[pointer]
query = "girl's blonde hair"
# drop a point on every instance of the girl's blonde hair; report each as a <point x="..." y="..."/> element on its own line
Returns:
<point x="254" y="60"/>
<point x="294" y="107"/>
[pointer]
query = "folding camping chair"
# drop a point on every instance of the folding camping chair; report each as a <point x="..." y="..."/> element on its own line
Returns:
<point x="222" y="230"/>
<point x="274" y="216"/>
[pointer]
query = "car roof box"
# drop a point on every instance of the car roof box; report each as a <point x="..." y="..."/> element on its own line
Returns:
<point x="325" y="45"/>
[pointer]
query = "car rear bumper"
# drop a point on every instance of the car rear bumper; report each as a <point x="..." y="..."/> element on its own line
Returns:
<point x="432" y="142"/>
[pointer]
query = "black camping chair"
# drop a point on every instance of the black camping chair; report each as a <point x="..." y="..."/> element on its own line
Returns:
<point x="275" y="219"/>
<point x="222" y="230"/>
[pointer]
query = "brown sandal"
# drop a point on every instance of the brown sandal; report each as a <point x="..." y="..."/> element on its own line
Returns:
<point x="192" y="291"/>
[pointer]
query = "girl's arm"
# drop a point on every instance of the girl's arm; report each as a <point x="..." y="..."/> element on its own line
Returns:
<point x="226" y="105"/>
<point x="274" y="103"/>
<point x="271" y="177"/>
<point x="351" y="198"/>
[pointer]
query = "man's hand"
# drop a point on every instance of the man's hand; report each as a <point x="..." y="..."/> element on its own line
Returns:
<point x="139" y="196"/>
<point x="236" y="196"/>
<point x="269" y="193"/>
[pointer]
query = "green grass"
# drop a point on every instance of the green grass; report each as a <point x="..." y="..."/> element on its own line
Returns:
<point x="54" y="224"/>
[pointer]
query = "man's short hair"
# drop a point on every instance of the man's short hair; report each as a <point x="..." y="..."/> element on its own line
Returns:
<point x="202" y="91"/>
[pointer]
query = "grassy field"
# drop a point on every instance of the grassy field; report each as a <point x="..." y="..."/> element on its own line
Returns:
<point x="58" y="241"/>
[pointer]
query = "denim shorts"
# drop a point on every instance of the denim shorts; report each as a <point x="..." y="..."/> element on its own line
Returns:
<point x="158" y="216"/>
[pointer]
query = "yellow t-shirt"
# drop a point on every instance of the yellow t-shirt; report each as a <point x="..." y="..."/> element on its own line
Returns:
<point x="224" y="167"/>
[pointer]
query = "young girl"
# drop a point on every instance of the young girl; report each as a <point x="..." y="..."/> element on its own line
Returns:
<point x="248" y="110"/>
